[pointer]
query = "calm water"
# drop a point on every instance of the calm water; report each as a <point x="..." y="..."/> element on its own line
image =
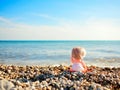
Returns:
<point x="102" y="53"/>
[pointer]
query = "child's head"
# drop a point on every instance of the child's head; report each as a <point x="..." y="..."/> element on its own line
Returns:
<point x="78" y="52"/>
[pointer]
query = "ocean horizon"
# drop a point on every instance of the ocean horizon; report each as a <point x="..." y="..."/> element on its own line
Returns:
<point x="55" y="52"/>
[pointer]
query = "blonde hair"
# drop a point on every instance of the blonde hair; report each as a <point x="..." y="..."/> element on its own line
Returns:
<point x="78" y="52"/>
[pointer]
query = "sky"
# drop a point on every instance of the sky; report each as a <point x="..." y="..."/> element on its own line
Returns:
<point x="59" y="19"/>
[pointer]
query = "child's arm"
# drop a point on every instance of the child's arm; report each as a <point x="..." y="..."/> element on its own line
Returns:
<point x="71" y="60"/>
<point x="84" y="66"/>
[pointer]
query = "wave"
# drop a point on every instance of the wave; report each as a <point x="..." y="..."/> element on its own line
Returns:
<point x="107" y="51"/>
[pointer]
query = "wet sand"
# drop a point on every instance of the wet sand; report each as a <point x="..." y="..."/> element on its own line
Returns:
<point x="58" y="78"/>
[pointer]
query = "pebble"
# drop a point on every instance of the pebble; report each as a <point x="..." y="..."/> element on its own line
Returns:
<point x="6" y="85"/>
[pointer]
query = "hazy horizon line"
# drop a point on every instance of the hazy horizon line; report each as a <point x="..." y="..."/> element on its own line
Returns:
<point x="59" y="40"/>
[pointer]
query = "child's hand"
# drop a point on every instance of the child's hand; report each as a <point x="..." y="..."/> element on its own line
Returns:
<point x="90" y="69"/>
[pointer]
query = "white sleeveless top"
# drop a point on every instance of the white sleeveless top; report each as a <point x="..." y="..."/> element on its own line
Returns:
<point x="77" y="67"/>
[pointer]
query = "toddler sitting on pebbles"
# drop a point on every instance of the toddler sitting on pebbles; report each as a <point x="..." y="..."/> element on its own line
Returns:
<point x="77" y="55"/>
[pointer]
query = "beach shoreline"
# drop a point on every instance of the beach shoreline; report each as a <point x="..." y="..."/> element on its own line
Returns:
<point x="58" y="77"/>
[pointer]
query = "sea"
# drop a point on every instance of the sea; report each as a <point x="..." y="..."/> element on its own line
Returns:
<point x="99" y="53"/>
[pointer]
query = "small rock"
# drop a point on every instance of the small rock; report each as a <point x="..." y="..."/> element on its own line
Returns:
<point x="6" y="85"/>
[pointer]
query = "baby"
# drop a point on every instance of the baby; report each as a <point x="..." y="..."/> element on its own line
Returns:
<point x="77" y="55"/>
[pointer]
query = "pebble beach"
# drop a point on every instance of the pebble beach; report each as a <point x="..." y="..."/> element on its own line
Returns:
<point x="14" y="77"/>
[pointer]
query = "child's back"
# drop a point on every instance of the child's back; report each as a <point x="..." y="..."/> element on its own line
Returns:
<point x="77" y="59"/>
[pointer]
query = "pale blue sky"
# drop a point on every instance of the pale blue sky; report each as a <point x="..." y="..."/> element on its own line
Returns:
<point x="59" y="19"/>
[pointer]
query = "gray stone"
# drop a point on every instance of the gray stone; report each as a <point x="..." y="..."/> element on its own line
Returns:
<point x="6" y="85"/>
